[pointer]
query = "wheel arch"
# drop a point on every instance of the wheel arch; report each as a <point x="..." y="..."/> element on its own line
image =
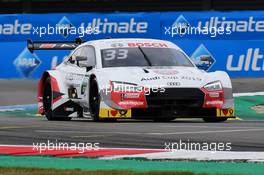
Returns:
<point x="56" y="85"/>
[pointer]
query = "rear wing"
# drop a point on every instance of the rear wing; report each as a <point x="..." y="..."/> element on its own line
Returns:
<point x="53" y="45"/>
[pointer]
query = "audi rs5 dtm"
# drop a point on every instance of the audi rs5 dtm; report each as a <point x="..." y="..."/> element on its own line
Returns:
<point x="111" y="79"/>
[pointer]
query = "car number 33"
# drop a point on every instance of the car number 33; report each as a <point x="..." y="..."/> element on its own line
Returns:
<point x="112" y="54"/>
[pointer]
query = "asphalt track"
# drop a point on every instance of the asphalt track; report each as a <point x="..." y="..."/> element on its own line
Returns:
<point x="243" y="135"/>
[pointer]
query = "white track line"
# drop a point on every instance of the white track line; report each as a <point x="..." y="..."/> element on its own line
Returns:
<point x="212" y="127"/>
<point x="247" y="94"/>
<point x="199" y="155"/>
<point x="206" y="132"/>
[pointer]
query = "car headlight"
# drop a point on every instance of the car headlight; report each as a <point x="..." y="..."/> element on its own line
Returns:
<point x="214" y="86"/>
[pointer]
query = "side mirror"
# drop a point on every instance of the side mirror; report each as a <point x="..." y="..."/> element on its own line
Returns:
<point x="81" y="58"/>
<point x="83" y="61"/>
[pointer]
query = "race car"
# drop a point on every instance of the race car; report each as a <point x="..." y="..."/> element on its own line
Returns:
<point x="131" y="78"/>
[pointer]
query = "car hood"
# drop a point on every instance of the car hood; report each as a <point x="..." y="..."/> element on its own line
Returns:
<point x="155" y="76"/>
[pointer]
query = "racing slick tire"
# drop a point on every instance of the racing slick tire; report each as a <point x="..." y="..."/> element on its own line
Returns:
<point x="47" y="102"/>
<point x="214" y="119"/>
<point x="95" y="100"/>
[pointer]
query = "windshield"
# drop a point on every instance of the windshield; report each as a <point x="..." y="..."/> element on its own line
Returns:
<point x="141" y="56"/>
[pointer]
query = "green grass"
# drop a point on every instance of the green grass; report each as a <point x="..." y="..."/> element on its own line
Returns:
<point x="137" y="166"/>
<point x="20" y="113"/>
<point x="243" y="107"/>
<point x="39" y="171"/>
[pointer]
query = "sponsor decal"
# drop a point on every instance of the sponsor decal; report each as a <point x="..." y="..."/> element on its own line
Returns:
<point x="74" y="77"/>
<point x="202" y="58"/>
<point x="113" y="113"/>
<point x="246" y="24"/>
<point x="166" y="72"/>
<point x="225" y="112"/>
<point x="251" y="60"/>
<point x="15" y="28"/>
<point x="47" y="46"/>
<point x="191" y="78"/>
<point x="150" y="44"/>
<point x="106" y="26"/>
<point x="26" y="62"/>
<point x="150" y="78"/>
<point x="170" y="77"/>
<point x="242" y="25"/>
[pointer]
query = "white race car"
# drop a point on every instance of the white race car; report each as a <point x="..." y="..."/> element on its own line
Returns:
<point x="113" y="79"/>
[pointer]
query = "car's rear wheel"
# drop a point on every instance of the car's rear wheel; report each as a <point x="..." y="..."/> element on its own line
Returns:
<point x="214" y="119"/>
<point x="47" y="102"/>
